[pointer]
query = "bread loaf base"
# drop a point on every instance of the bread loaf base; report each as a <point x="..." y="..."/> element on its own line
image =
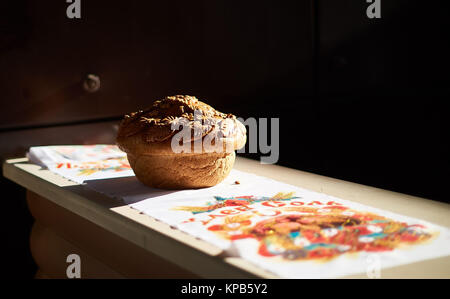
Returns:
<point x="182" y="171"/>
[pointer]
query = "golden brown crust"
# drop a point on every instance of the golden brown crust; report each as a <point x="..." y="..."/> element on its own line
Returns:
<point x="182" y="171"/>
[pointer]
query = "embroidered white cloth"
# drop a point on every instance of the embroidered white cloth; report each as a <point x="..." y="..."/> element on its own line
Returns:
<point x="290" y="231"/>
<point x="82" y="162"/>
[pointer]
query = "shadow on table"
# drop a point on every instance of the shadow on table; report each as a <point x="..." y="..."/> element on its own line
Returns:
<point x="128" y="189"/>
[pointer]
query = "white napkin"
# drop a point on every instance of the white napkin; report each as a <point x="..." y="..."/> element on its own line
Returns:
<point x="82" y="162"/>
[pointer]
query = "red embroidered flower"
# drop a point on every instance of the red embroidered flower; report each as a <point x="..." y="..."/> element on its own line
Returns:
<point x="235" y="202"/>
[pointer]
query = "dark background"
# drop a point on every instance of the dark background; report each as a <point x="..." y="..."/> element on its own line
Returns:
<point x="364" y="100"/>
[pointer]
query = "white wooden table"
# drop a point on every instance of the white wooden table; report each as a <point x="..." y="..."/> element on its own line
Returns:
<point x="116" y="241"/>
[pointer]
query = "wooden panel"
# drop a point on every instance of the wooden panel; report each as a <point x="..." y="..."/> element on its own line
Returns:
<point x="16" y="143"/>
<point x="41" y="275"/>
<point x="235" y="55"/>
<point x="107" y="248"/>
<point x="50" y="252"/>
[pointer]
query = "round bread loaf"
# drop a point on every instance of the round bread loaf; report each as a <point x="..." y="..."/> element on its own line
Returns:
<point x="180" y="143"/>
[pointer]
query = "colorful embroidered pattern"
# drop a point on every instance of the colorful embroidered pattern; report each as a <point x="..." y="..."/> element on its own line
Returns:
<point x="90" y="167"/>
<point x="235" y="201"/>
<point x="297" y="230"/>
<point x="115" y="165"/>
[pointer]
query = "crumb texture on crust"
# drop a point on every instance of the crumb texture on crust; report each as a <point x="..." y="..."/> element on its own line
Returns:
<point x="151" y="129"/>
